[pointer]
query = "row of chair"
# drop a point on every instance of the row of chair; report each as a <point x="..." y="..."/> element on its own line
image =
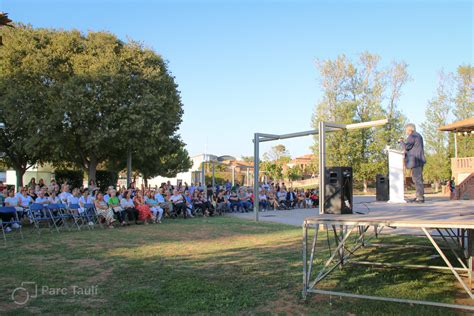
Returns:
<point x="54" y="216"/>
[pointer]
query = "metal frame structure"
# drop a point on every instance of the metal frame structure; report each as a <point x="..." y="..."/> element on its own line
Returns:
<point x="459" y="244"/>
<point x="324" y="127"/>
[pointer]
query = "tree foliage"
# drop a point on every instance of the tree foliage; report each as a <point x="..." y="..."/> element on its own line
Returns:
<point x="24" y="99"/>
<point x="293" y="173"/>
<point x="89" y="98"/>
<point x="277" y="153"/>
<point x="247" y="158"/>
<point x="453" y="95"/>
<point x="436" y="142"/>
<point x="272" y="169"/>
<point x="357" y="92"/>
<point x="464" y="106"/>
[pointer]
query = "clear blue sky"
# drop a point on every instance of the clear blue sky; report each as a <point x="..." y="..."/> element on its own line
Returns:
<point x="247" y="66"/>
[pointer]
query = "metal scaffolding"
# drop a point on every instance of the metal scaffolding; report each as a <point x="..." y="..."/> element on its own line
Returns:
<point x="324" y="127"/>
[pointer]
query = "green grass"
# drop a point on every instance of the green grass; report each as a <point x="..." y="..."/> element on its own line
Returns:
<point x="204" y="265"/>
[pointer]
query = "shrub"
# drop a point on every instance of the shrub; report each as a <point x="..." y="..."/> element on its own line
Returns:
<point x="106" y="178"/>
<point x="73" y="177"/>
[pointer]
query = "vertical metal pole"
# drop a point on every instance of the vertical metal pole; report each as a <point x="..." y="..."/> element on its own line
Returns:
<point x="470" y="256"/>
<point x="213" y="176"/>
<point x="203" y="172"/>
<point x="129" y="167"/>
<point x="247" y="178"/>
<point x="256" y="160"/>
<point x="322" y="165"/>
<point x="233" y="175"/>
<point x="305" y="249"/>
<point x="455" y="145"/>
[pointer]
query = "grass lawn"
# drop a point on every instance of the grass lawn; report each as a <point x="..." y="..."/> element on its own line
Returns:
<point x="218" y="265"/>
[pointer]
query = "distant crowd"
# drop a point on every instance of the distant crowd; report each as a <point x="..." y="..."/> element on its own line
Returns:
<point x="123" y="205"/>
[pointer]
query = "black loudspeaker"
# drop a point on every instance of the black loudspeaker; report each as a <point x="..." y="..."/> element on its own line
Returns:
<point x="381" y="188"/>
<point x="338" y="190"/>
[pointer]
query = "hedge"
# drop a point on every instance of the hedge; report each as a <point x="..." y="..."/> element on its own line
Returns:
<point x="105" y="178"/>
<point x="73" y="177"/>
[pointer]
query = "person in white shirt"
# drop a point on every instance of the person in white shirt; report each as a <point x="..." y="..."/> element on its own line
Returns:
<point x="53" y="198"/>
<point x="74" y="197"/>
<point x="154" y="207"/>
<point x="18" y="194"/>
<point x="64" y="193"/>
<point x="83" y="200"/>
<point x="178" y="203"/>
<point x="13" y="201"/>
<point x="159" y="197"/>
<point x="263" y="200"/>
<point x="25" y="199"/>
<point x="107" y="196"/>
<point x="281" y="195"/>
<point x="41" y="199"/>
<point x="127" y="204"/>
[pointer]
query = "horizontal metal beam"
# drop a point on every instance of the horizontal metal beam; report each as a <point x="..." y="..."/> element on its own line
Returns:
<point x="367" y="124"/>
<point x="329" y="127"/>
<point x="293" y="135"/>
<point x="390" y="299"/>
<point x="356" y="125"/>
<point x="268" y="135"/>
<point x="335" y="125"/>
<point x="411" y="266"/>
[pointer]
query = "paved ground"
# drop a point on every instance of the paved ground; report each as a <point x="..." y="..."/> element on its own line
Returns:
<point x="364" y="204"/>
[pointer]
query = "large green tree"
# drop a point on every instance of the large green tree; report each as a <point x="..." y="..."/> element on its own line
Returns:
<point x="160" y="158"/>
<point x="464" y="106"/>
<point x="277" y="153"/>
<point x="24" y="98"/>
<point x="103" y="97"/>
<point x="437" y="166"/>
<point x="359" y="91"/>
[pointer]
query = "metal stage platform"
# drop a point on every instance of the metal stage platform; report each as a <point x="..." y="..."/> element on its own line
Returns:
<point x="448" y="226"/>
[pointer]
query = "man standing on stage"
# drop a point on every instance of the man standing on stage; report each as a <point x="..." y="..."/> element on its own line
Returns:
<point x="414" y="159"/>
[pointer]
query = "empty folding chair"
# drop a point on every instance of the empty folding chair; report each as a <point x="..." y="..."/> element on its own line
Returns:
<point x="38" y="214"/>
<point x="59" y="213"/>
<point x="91" y="213"/>
<point x="9" y="222"/>
<point x="77" y="217"/>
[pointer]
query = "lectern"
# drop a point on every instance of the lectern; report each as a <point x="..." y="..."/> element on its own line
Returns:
<point x="396" y="176"/>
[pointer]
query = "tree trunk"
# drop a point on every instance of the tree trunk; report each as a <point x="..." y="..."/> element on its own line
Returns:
<point x="365" y="185"/>
<point x="91" y="170"/>
<point x="19" y="178"/>
<point x="436" y="188"/>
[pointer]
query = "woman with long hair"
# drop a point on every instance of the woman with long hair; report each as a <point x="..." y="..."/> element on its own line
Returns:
<point x="144" y="212"/>
<point x="103" y="209"/>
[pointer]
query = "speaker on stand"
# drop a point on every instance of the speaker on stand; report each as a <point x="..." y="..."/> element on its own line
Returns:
<point x="338" y="190"/>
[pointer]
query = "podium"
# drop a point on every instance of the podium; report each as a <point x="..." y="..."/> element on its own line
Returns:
<point x="396" y="176"/>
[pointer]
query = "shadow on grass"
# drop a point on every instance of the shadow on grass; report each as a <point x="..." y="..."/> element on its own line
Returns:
<point x="218" y="265"/>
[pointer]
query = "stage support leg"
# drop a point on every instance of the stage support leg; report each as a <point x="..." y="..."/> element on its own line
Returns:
<point x="322" y="165"/>
<point x="448" y="263"/>
<point x="256" y="167"/>
<point x="305" y="263"/>
<point x="470" y="255"/>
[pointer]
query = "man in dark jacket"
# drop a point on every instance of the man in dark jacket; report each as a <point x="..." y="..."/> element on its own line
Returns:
<point x="291" y="198"/>
<point x="414" y="159"/>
